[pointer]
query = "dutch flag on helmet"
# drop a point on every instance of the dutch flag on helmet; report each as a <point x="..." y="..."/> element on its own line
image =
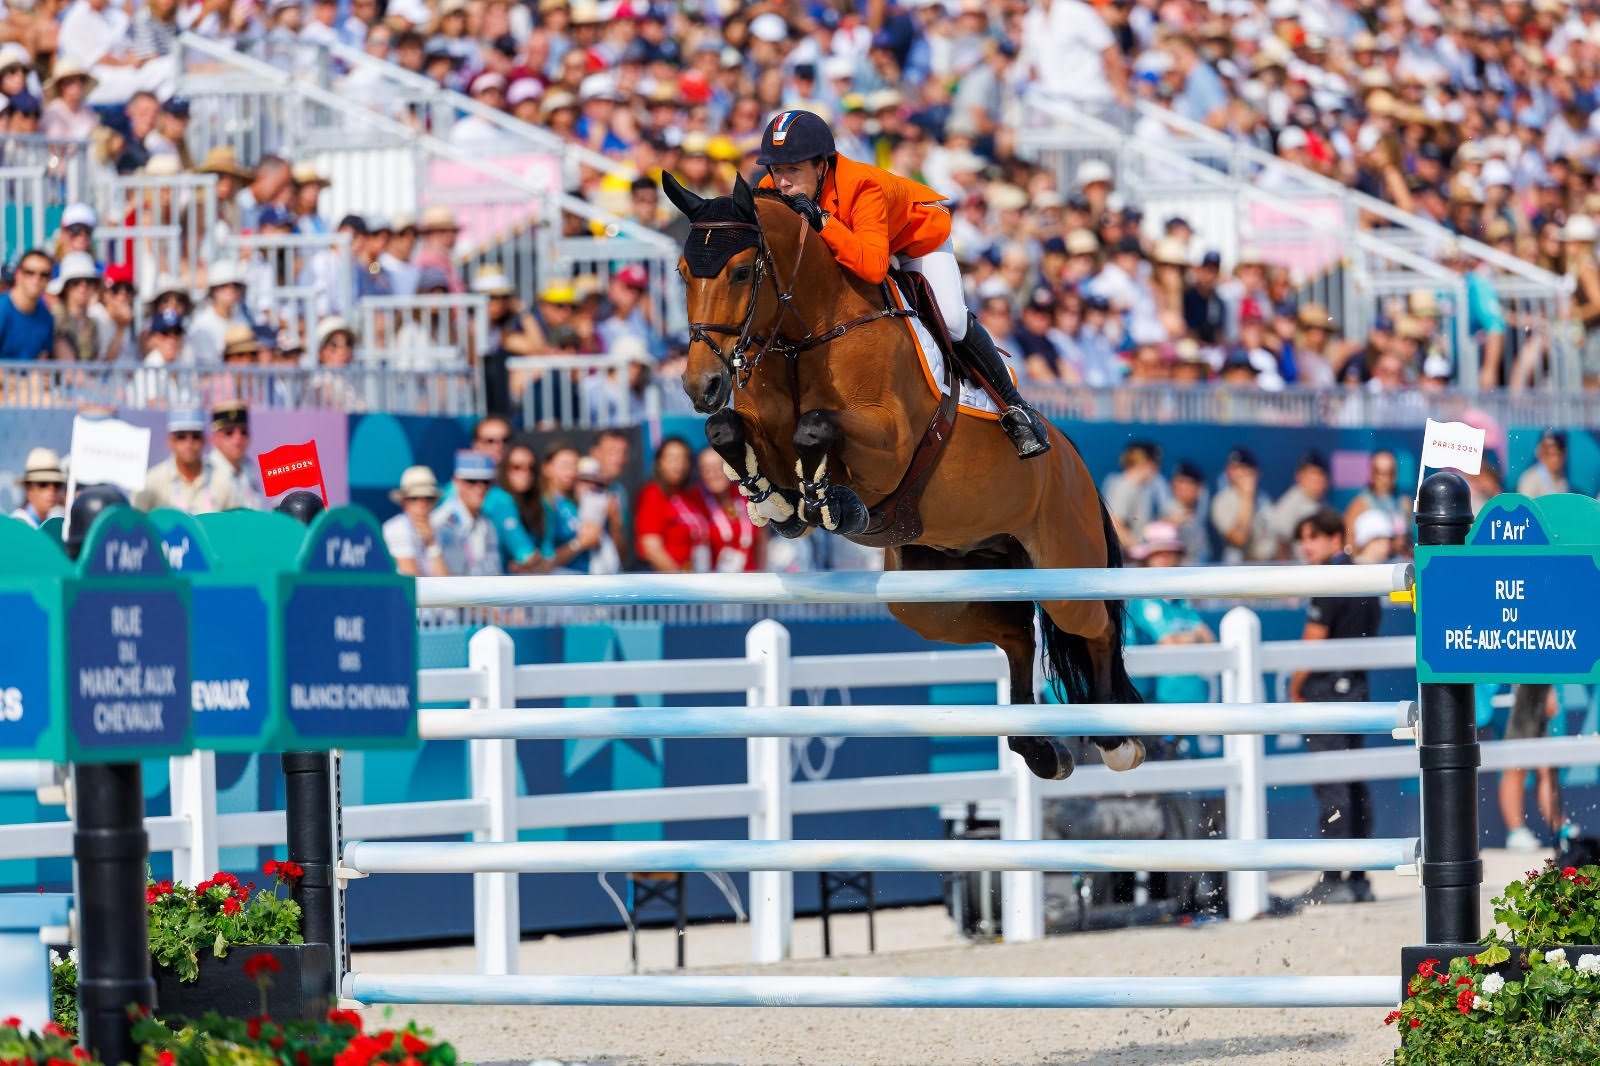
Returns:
<point x="781" y="124"/>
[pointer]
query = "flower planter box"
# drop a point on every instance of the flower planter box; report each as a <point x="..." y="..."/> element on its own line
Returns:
<point x="301" y="989"/>
<point x="1513" y="968"/>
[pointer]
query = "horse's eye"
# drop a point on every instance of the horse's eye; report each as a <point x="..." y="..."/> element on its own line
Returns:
<point x="741" y="274"/>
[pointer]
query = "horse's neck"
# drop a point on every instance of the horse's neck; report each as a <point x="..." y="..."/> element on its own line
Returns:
<point x="826" y="295"/>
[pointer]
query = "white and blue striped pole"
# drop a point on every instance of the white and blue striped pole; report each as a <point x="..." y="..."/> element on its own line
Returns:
<point x="944" y="586"/>
<point x="938" y="992"/>
<point x="946" y="720"/>
<point x="899" y="856"/>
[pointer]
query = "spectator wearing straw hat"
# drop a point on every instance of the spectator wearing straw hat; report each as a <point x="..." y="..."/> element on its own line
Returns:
<point x="409" y="535"/>
<point x="44" y="487"/>
<point x="184" y="480"/>
<point x="66" y="114"/>
<point x="438" y="231"/>
<point x="308" y="185"/>
<point x="466" y="536"/>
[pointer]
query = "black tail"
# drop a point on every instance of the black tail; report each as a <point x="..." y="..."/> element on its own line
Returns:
<point x="1066" y="655"/>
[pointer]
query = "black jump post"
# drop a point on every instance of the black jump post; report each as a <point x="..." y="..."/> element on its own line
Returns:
<point x="1447" y="748"/>
<point x="308" y="808"/>
<point x="111" y="850"/>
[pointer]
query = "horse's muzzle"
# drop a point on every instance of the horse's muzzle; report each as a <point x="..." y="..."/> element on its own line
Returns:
<point x="708" y="391"/>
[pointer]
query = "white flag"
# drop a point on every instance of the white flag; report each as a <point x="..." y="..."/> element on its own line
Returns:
<point x="106" y="451"/>
<point x="1453" y="446"/>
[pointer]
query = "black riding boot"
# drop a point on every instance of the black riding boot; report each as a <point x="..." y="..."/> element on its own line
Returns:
<point x="1021" y="422"/>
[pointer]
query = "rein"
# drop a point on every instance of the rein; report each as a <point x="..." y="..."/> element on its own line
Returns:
<point x="734" y="360"/>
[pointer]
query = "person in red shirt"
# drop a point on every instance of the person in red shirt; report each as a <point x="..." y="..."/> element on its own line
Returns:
<point x="865" y="214"/>
<point x="737" y="546"/>
<point x="672" y="529"/>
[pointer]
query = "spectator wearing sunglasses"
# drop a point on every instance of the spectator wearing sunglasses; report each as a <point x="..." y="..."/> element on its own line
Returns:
<point x="230" y="441"/>
<point x="44" y="487"/>
<point x="184" y="480"/>
<point x="27" y="328"/>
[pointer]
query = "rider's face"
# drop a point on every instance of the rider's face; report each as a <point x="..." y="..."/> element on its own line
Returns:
<point x="798" y="179"/>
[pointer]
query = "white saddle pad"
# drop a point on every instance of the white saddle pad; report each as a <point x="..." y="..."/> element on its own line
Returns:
<point x="973" y="400"/>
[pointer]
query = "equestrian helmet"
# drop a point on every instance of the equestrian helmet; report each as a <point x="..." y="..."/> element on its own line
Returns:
<point x="794" y="137"/>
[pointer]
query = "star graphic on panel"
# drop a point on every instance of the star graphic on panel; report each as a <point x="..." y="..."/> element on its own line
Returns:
<point x="580" y="753"/>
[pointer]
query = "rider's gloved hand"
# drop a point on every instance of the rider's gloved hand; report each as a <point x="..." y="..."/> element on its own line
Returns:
<point x="807" y="209"/>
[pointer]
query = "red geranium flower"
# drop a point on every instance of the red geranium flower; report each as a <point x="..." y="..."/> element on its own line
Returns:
<point x="81" y="1054"/>
<point x="261" y="963"/>
<point x="11" y="1023"/>
<point x="252" y="1027"/>
<point x="52" y="1029"/>
<point x="1464" y="979"/>
<point x="231" y="905"/>
<point x="53" y="1061"/>
<point x="1464" y="1001"/>
<point x="345" y="1017"/>
<point x="1415" y="1023"/>
<point x="166" y="1058"/>
<point x="413" y="1043"/>
<point x="1425" y="967"/>
<point x="1392" y="1017"/>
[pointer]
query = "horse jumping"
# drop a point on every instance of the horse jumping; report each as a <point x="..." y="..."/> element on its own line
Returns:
<point x="834" y="424"/>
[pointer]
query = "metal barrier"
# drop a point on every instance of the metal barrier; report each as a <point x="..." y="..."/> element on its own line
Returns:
<point x="1537" y="303"/>
<point x="585" y="391"/>
<point x="294" y="280"/>
<point x="416" y="332"/>
<point x="65" y="163"/>
<point x="161" y="225"/>
<point x="382" y="165"/>
<point x="23" y="208"/>
<point x="356" y="389"/>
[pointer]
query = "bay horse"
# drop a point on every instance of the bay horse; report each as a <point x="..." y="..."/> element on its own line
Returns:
<point x="833" y="416"/>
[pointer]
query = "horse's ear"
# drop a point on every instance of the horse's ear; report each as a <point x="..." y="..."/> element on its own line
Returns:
<point x="743" y="199"/>
<point x="691" y="204"/>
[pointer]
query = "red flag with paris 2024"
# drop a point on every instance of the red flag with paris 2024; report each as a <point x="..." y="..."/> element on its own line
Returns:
<point x="292" y="466"/>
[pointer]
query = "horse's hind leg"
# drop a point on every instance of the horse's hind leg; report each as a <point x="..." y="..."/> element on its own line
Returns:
<point x="835" y="506"/>
<point x="1089" y="668"/>
<point x="1009" y="626"/>
<point x="725" y="432"/>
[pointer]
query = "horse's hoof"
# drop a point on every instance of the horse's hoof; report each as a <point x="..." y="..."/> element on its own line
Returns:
<point x="791" y="529"/>
<point x="1125" y="756"/>
<point x="1046" y="757"/>
<point x="844" y="513"/>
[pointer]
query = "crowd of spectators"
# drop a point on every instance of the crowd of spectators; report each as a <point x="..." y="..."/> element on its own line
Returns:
<point x="1473" y="114"/>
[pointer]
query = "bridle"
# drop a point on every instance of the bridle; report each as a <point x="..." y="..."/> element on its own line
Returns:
<point x="736" y="360"/>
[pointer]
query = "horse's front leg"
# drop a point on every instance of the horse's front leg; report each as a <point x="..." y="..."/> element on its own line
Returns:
<point x="836" y="507"/>
<point x="766" y="502"/>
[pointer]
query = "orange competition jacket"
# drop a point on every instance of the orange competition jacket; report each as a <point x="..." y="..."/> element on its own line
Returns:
<point x="873" y="214"/>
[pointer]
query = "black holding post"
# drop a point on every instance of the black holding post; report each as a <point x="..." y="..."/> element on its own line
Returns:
<point x="308" y="808"/>
<point x="110" y="849"/>
<point x="1447" y="748"/>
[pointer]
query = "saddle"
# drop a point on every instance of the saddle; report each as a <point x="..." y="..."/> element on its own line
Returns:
<point x="897" y="518"/>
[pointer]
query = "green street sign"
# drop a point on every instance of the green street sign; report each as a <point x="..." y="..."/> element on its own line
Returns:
<point x="1515" y="604"/>
<point x="304" y="639"/>
<point x="233" y="589"/>
<point x="32" y="671"/>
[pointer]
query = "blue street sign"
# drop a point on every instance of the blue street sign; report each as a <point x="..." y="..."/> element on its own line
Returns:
<point x="24" y="672"/>
<point x="1515" y="604"/>
<point x="232" y="689"/>
<point x="128" y="668"/>
<point x="350" y="658"/>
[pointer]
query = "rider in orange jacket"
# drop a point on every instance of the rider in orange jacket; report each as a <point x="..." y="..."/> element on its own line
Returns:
<point x="864" y="215"/>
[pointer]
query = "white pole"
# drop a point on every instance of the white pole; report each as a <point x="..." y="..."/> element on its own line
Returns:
<point x="771" y="892"/>
<point x="1021" y="892"/>
<point x="193" y="781"/>
<point x="1247" y="795"/>
<point x="497" y="918"/>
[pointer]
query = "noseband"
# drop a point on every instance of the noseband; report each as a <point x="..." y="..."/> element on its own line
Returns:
<point x="739" y="364"/>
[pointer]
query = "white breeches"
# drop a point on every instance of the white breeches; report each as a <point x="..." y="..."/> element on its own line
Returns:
<point x="944" y="277"/>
